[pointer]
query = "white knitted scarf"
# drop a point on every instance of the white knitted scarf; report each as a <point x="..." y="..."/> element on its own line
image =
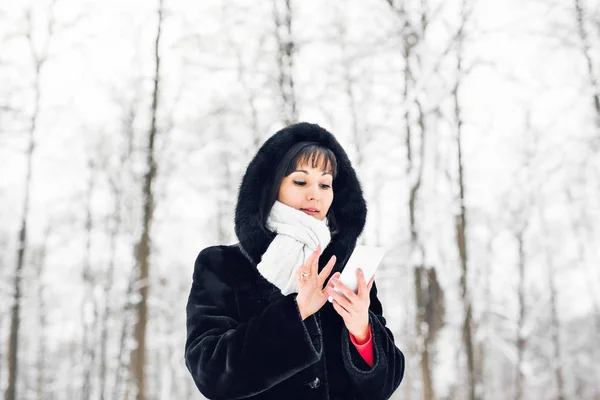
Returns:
<point x="298" y="235"/>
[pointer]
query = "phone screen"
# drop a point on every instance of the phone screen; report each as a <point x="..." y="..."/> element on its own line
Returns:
<point x="368" y="259"/>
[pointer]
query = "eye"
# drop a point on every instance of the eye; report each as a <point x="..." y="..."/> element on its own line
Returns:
<point x="325" y="186"/>
<point x="299" y="183"/>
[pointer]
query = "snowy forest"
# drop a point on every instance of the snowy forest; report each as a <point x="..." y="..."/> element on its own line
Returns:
<point x="473" y="125"/>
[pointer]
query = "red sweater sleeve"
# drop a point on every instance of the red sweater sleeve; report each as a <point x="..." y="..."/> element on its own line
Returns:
<point x="365" y="349"/>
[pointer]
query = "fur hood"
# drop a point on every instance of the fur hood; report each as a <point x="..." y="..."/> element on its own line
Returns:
<point x="348" y="205"/>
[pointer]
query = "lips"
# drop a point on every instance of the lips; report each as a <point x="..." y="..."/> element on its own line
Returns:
<point x="309" y="211"/>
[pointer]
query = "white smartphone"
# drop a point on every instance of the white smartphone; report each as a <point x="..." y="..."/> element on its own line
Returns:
<point x="368" y="259"/>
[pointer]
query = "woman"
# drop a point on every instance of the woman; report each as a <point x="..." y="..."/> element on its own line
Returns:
<point x="258" y="320"/>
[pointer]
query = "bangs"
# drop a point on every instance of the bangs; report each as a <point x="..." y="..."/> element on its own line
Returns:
<point x="317" y="157"/>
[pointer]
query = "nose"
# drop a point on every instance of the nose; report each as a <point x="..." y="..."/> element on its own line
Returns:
<point x="313" y="192"/>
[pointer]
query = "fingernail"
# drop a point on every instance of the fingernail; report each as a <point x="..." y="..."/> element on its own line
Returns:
<point x="360" y="271"/>
<point x="334" y="281"/>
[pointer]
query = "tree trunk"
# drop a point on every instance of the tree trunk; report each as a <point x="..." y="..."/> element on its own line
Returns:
<point x="142" y="250"/>
<point x="555" y="333"/>
<point x="285" y="60"/>
<point x="121" y="370"/>
<point x="554" y="320"/>
<point x="587" y="275"/>
<point x="357" y="135"/>
<point x="425" y="332"/>
<point x="89" y="305"/>
<point x="429" y="320"/>
<point x="13" y="342"/>
<point x="106" y="314"/>
<point x="225" y="190"/>
<point x="585" y="42"/>
<point x="128" y="309"/>
<point x="461" y="218"/>
<point x="521" y="320"/>
<point x="247" y="81"/>
<point x="41" y="381"/>
<point x="484" y="325"/>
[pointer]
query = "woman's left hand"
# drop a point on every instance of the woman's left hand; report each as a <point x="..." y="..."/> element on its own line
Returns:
<point x="354" y="307"/>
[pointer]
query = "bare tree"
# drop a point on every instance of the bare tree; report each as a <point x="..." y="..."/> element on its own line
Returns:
<point x="120" y="177"/>
<point x="116" y="175"/>
<point x="579" y="220"/>
<point x="554" y="320"/>
<point x="115" y="227"/>
<point x="39" y="58"/>
<point x="519" y="224"/>
<point x="42" y="353"/>
<point x="429" y="321"/>
<point x="580" y="14"/>
<point x="142" y="249"/>
<point x="226" y="189"/>
<point x="248" y="77"/>
<point x="89" y="306"/>
<point x="461" y="218"/>
<point x="548" y="257"/>
<point x="429" y="299"/>
<point x="521" y="320"/>
<point x="360" y="132"/>
<point x="484" y="323"/>
<point x="286" y="48"/>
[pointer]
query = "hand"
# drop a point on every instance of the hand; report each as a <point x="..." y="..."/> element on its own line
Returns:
<point x="311" y="295"/>
<point x="352" y="307"/>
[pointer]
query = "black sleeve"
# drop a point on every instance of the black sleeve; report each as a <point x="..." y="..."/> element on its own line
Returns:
<point x="380" y="381"/>
<point x="233" y="360"/>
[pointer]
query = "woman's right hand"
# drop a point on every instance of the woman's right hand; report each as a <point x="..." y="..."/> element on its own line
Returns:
<point x="311" y="295"/>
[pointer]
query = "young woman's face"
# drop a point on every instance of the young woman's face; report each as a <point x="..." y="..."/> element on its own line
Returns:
<point x="309" y="190"/>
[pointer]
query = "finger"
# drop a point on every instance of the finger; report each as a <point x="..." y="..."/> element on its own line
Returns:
<point x="334" y="276"/>
<point x="327" y="270"/>
<point x="299" y="277"/>
<point x="340" y="309"/>
<point x="341" y="299"/>
<point x="314" y="267"/>
<point x="305" y="268"/>
<point x="346" y="291"/>
<point x="362" y="285"/>
<point x="370" y="285"/>
<point x="309" y="261"/>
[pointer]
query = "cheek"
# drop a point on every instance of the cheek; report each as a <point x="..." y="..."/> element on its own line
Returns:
<point x="288" y="195"/>
<point x="330" y="197"/>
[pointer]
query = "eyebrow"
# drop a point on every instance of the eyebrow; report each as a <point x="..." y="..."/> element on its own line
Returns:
<point x="306" y="172"/>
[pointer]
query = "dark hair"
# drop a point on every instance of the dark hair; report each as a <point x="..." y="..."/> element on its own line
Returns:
<point x="312" y="153"/>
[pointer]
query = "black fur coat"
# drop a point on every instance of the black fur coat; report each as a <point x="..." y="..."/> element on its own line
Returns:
<point x="245" y="340"/>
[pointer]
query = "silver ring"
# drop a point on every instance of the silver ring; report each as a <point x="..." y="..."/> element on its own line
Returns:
<point x="305" y="274"/>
